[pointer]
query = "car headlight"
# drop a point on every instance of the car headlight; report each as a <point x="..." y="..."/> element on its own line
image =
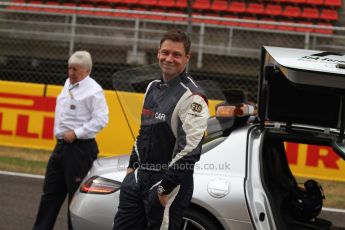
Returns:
<point x="99" y="185"/>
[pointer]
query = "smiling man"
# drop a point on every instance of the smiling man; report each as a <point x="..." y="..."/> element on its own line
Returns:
<point x="159" y="183"/>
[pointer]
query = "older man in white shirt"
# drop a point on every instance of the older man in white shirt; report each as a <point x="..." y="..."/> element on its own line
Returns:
<point x="81" y="112"/>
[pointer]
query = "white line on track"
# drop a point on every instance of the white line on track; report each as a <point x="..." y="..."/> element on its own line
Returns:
<point x="333" y="210"/>
<point x="21" y="174"/>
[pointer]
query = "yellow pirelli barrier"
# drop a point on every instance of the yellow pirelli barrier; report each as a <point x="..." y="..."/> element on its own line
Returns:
<point x="315" y="161"/>
<point x="27" y="120"/>
<point x="27" y="117"/>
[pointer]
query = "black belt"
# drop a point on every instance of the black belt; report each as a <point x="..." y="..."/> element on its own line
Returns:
<point x="62" y="141"/>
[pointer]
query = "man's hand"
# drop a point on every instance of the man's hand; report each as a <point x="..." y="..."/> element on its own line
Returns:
<point x="69" y="136"/>
<point x="129" y="170"/>
<point x="163" y="199"/>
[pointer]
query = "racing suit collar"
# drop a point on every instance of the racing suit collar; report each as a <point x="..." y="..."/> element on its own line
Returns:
<point x="175" y="80"/>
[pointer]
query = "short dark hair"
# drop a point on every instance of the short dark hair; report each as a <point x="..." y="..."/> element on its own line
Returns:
<point x="177" y="36"/>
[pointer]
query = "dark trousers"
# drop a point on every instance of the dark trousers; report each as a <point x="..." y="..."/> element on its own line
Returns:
<point x="67" y="166"/>
<point x="140" y="207"/>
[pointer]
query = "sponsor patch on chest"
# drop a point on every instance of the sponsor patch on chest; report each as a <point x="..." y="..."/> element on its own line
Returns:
<point x="160" y="116"/>
<point x="148" y="113"/>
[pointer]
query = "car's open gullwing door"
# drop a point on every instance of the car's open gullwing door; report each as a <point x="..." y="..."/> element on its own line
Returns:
<point x="304" y="88"/>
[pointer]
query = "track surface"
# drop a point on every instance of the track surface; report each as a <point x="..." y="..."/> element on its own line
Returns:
<point x="20" y="196"/>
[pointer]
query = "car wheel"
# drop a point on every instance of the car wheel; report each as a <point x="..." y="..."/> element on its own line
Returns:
<point x="194" y="220"/>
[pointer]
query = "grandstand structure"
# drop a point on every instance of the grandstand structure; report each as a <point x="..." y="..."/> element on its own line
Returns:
<point x="36" y="37"/>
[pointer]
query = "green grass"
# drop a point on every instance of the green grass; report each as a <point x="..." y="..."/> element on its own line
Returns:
<point x="334" y="193"/>
<point x="23" y="160"/>
<point x="22" y="165"/>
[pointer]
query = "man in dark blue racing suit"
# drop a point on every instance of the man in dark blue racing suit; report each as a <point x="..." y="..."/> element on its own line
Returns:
<point x="158" y="186"/>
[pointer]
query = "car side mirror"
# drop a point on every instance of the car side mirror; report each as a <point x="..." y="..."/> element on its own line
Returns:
<point x="339" y="147"/>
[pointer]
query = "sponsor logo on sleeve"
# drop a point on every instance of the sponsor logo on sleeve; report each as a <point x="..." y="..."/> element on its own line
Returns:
<point x="196" y="107"/>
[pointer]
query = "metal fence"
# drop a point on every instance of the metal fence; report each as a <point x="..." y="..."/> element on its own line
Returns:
<point x="34" y="45"/>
